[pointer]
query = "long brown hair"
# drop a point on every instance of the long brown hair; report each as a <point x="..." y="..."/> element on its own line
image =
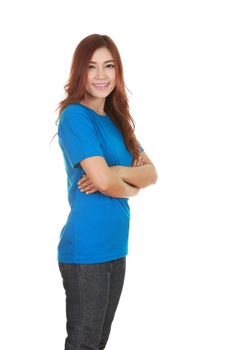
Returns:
<point x="116" y="103"/>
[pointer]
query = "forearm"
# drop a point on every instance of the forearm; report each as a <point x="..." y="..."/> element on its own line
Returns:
<point x="139" y="176"/>
<point x="119" y="189"/>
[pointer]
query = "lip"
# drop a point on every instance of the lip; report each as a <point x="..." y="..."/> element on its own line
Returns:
<point x="101" y="85"/>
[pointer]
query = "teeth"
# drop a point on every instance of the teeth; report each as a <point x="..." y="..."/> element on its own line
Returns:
<point x="101" y="85"/>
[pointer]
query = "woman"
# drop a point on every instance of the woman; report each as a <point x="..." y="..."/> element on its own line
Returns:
<point x="105" y="165"/>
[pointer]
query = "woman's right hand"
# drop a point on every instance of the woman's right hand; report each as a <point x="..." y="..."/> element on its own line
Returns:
<point x="137" y="161"/>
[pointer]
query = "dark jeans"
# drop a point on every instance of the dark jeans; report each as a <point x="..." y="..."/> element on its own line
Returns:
<point x="92" y="295"/>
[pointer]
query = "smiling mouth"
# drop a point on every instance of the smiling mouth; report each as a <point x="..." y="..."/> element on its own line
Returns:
<point x="101" y="85"/>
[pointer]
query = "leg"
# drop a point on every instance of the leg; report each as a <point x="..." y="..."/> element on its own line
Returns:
<point x="116" y="286"/>
<point x="87" y="293"/>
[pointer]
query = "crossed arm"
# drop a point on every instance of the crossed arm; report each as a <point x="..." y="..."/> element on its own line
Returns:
<point x="117" y="181"/>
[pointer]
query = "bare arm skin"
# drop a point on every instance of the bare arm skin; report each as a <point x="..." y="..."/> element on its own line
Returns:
<point x="100" y="177"/>
<point x="139" y="177"/>
<point x="141" y="174"/>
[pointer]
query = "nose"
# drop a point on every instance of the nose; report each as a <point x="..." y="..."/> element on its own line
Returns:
<point x="100" y="73"/>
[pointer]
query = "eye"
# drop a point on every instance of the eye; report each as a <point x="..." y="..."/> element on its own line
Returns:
<point x="91" y="66"/>
<point x="110" y="65"/>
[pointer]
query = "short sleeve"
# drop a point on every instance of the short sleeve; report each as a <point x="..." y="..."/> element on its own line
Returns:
<point x="77" y="136"/>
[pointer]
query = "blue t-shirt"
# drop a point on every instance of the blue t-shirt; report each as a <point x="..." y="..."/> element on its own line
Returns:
<point x="97" y="226"/>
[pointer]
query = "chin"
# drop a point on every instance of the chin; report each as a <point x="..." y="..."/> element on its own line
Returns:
<point x="100" y="95"/>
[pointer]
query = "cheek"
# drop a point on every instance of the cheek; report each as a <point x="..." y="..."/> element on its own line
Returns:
<point x="91" y="75"/>
<point x="113" y="76"/>
<point x="89" y="80"/>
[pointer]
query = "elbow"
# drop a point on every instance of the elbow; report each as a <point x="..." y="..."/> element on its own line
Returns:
<point x="155" y="180"/>
<point x="155" y="177"/>
<point x="152" y="181"/>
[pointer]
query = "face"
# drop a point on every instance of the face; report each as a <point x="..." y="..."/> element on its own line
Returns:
<point x="101" y="79"/>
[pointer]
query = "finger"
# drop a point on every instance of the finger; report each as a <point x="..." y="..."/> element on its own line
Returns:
<point x="87" y="188"/>
<point x="83" y="180"/>
<point x="92" y="191"/>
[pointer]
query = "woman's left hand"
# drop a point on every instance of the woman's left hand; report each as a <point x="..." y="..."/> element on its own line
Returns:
<point x="86" y="185"/>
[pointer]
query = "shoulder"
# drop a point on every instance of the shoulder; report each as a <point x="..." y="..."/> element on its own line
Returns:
<point x="73" y="112"/>
<point x="75" y="119"/>
<point x="74" y="116"/>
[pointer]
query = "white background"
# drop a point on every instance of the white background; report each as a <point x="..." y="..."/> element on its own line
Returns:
<point x="177" y="58"/>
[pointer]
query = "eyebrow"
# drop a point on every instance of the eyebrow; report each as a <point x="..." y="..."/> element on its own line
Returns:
<point x="104" y="62"/>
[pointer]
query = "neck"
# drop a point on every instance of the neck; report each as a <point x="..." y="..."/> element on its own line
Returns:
<point x="94" y="103"/>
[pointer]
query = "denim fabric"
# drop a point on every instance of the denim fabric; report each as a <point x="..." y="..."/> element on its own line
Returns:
<point x="92" y="295"/>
